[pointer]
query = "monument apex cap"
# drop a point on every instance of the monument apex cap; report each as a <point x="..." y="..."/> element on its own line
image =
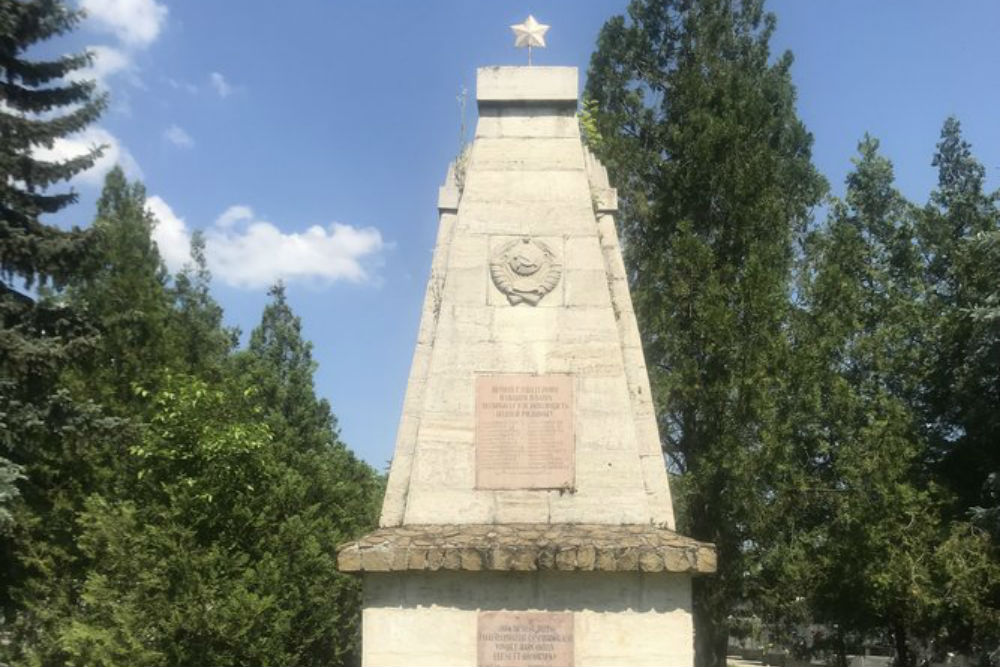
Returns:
<point x="527" y="84"/>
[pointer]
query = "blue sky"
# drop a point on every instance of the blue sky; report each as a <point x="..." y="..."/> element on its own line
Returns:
<point x="309" y="138"/>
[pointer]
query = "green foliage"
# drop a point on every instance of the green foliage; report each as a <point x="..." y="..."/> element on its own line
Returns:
<point x="93" y="414"/>
<point x="66" y="456"/>
<point x="202" y="342"/>
<point x="171" y="580"/>
<point x="40" y="106"/>
<point x="988" y="514"/>
<point x="200" y="439"/>
<point x="867" y="535"/>
<point x="185" y="504"/>
<point x="41" y="425"/>
<point x="966" y="572"/>
<point x="872" y="528"/>
<point x="124" y="295"/>
<point x="337" y="496"/>
<point x="962" y="397"/>
<point x="828" y="397"/>
<point x="9" y="474"/>
<point x="700" y="134"/>
<point x="219" y="544"/>
<point x="278" y="364"/>
<point x="589" y="130"/>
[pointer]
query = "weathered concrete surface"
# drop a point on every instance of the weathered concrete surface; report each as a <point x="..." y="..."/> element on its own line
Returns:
<point x="527" y="174"/>
<point x="522" y="84"/>
<point x="623" y="618"/>
<point x="527" y="547"/>
<point x="600" y="546"/>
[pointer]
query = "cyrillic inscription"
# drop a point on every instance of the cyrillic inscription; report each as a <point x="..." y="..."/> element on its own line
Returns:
<point x="528" y="639"/>
<point x="524" y="431"/>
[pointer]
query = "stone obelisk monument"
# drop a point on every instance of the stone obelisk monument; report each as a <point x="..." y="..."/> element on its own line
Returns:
<point x="527" y="519"/>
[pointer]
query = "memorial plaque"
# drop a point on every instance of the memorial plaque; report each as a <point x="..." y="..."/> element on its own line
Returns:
<point x="529" y="639"/>
<point x="524" y="431"/>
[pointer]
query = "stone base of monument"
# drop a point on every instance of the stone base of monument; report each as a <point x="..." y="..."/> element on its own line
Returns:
<point x="527" y="594"/>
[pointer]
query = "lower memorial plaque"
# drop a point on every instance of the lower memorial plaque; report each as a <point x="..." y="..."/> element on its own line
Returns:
<point x="525" y="639"/>
<point x="524" y="431"/>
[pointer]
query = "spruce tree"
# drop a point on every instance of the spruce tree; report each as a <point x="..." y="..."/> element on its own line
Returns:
<point x="700" y="135"/>
<point x="39" y="107"/>
<point x="34" y="93"/>
<point x="38" y="337"/>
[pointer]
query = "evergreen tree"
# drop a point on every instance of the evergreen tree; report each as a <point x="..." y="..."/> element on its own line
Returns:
<point x="700" y="135"/>
<point x="962" y="397"/>
<point x="33" y="94"/>
<point x="875" y="524"/>
<point x="123" y="298"/>
<point x="326" y="497"/>
<point x="124" y="295"/>
<point x="203" y="342"/>
<point x="37" y="338"/>
<point x="140" y="342"/>
<point x="10" y="473"/>
<point x="280" y="364"/>
<point x="865" y="539"/>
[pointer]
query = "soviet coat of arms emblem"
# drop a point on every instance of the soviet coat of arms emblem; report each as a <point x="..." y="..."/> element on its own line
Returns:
<point x="525" y="270"/>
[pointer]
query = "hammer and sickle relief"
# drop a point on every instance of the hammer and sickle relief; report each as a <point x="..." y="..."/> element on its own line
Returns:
<point x="525" y="270"/>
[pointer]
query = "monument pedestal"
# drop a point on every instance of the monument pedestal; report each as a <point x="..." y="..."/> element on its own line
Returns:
<point x="527" y="518"/>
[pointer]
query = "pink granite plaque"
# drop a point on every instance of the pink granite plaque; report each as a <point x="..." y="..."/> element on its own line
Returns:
<point x="525" y="639"/>
<point x="524" y="432"/>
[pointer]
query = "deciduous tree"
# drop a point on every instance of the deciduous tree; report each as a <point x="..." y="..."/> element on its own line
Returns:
<point x="700" y="135"/>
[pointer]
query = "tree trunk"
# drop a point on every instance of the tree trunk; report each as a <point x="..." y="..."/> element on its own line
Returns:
<point x="899" y="637"/>
<point x="711" y="628"/>
<point x="841" y="648"/>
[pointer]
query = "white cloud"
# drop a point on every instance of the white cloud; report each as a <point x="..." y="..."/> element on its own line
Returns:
<point x="137" y="23"/>
<point x="234" y="214"/>
<point x="178" y="137"/>
<point x="182" y="85"/>
<point x="170" y="233"/>
<point x="261" y="253"/>
<point x="222" y="87"/>
<point x="249" y="253"/>
<point x="108" y="62"/>
<point x="80" y="143"/>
